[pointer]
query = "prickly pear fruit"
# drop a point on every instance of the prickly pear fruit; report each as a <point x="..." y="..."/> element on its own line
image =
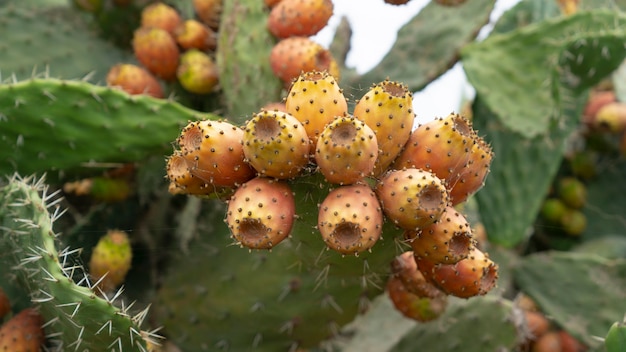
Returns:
<point x="5" y="304"/>
<point x="276" y="144"/>
<point x="596" y="101"/>
<point x="447" y="240"/>
<point x="472" y="276"/>
<point x="275" y="106"/>
<point x="536" y="324"/>
<point x="294" y="55"/>
<point x="304" y="18"/>
<point x="346" y="150"/>
<point x="451" y="149"/>
<point x="611" y="117"/>
<point x="315" y="99"/>
<point x="157" y="51"/>
<point x="104" y="189"/>
<point x="110" y="260"/>
<point x="193" y="34"/>
<point x="209" y="12"/>
<point x="160" y="15"/>
<point x="134" y="80"/>
<point x="197" y="72"/>
<point x="553" y="210"/>
<point x="23" y="332"/>
<point x="271" y="3"/>
<point x="350" y="219"/>
<point x="388" y="109"/>
<point x="413" y="306"/>
<point x="615" y="340"/>
<point x="404" y="268"/>
<point x="214" y="152"/>
<point x="412" y="198"/>
<point x="397" y="2"/>
<point x="261" y="212"/>
<point x="573" y="222"/>
<point x="572" y="192"/>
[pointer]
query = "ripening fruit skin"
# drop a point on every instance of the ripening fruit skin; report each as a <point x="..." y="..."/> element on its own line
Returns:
<point x="209" y="12"/>
<point x="294" y="55"/>
<point x="472" y="276"/>
<point x="387" y="107"/>
<point x="156" y="50"/>
<point x="448" y="240"/>
<point x="23" y="332"/>
<point x="611" y="117"/>
<point x="261" y="212"/>
<point x="569" y="343"/>
<point x="160" y="15"/>
<point x="596" y="101"/>
<point x="413" y="306"/>
<point x="451" y="149"/>
<point x="536" y="323"/>
<point x="134" y="80"/>
<point x="303" y="18"/>
<point x="182" y="181"/>
<point x="110" y="260"/>
<point x="412" y="198"/>
<point x="548" y="342"/>
<point x="553" y="210"/>
<point x="572" y="192"/>
<point x="573" y="222"/>
<point x="214" y="153"/>
<point x="404" y="268"/>
<point x="350" y="219"/>
<point x="193" y="34"/>
<point x="276" y="144"/>
<point x="346" y="151"/>
<point x="197" y="73"/>
<point x="315" y="99"/>
<point x="5" y="304"/>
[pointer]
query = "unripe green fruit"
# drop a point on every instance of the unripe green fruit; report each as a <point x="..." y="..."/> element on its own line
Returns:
<point x="553" y="210"/>
<point x="573" y="192"/>
<point x="574" y="222"/>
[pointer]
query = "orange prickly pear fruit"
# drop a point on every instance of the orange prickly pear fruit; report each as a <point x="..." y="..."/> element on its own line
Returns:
<point x="157" y="51"/>
<point x="209" y="12"/>
<point x="182" y="181"/>
<point x="110" y="260"/>
<point x="419" y="308"/>
<point x="134" y="80"/>
<point x="23" y="332"/>
<point x="193" y="34"/>
<point x="197" y="72"/>
<point x="596" y="101"/>
<point x="160" y="15"/>
<point x="404" y="267"/>
<point x="305" y="18"/>
<point x="294" y="55"/>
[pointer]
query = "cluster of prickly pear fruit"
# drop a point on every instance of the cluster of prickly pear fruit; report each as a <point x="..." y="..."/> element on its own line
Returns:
<point x="563" y="209"/>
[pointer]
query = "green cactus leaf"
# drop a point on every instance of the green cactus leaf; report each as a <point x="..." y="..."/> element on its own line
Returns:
<point x="583" y="293"/>
<point x="55" y="40"/>
<point x="503" y="64"/>
<point x="524" y="13"/>
<point x="429" y="44"/>
<point x="49" y="124"/>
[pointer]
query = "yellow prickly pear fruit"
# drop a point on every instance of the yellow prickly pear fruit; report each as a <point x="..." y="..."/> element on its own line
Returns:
<point x="110" y="260"/>
<point x="612" y="117"/>
<point x="197" y="72"/>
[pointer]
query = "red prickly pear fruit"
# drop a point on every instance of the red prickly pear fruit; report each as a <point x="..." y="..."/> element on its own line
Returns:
<point x="214" y="153"/>
<point x="156" y="50"/>
<point x="5" y="304"/>
<point x="350" y="219"/>
<point x="553" y="210"/>
<point x="346" y="151"/>
<point x="413" y="306"/>
<point x="197" y="72"/>
<point x="569" y="343"/>
<point x="261" y="212"/>
<point x="451" y="149"/>
<point x="160" y="15"/>
<point x="110" y="260"/>
<point x="572" y="192"/>
<point x="294" y="55"/>
<point x="412" y="198"/>
<point x="193" y="34"/>
<point x="315" y="99"/>
<point x="472" y="276"/>
<point x="23" y="332"/>
<point x="134" y="80"/>
<point x="548" y="342"/>
<point x="303" y="18"/>
<point x="611" y="117"/>
<point x="573" y="222"/>
<point x="536" y="325"/>
<point x="276" y="144"/>
<point x="275" y="106"/>
<point x="404" y="268"/>
<point x="209" y="12"/>
<point x="388" y="109"/>
<point x="596" y="101"/>
<point x="448" y="240"/>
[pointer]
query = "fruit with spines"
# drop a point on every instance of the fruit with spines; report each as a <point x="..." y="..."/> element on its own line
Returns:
<point x="346" y="150"/>
<point x="214" y="152"/>
<point x="294" y="55"/>
<point x="304" y="18"/>
<point x="160" y="15"/>
<point x="134" y="80"/>
<point x="572" y="192"/>
<point x="209" y="12"/>
<point x="23" y="332"/>
<point x="387" y="107"/>
<point x="448" y="240"/>
<point x="475" y="275"/>
<point x="276" y="144"/>
<point x="404" y="268"/>
<point x="193" y="34"/>
<point x="156" y="50"/>
<point x="350" y="219"/>
<point x="261" y="213"/>
<point x="197" y="72"/>
<point x="412" y="198"/>
<point x="413" y="306"/>
<point x="110" y="260"/>
<point x="315" y="99"/>
<point x="451" y="149"/>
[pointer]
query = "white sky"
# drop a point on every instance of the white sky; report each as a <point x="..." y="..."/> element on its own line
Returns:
<point x="375" y="25"/>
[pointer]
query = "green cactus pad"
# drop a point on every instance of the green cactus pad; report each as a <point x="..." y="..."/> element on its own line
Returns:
<point x="468" y="325"/>
<point x="77" y="319"/>
<point x="54" y="40"/>
<point x="429" y="44"/>
<point x="502" y="65"/>
<point x="49" y="124"/>
<point x="581" y="292"/>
